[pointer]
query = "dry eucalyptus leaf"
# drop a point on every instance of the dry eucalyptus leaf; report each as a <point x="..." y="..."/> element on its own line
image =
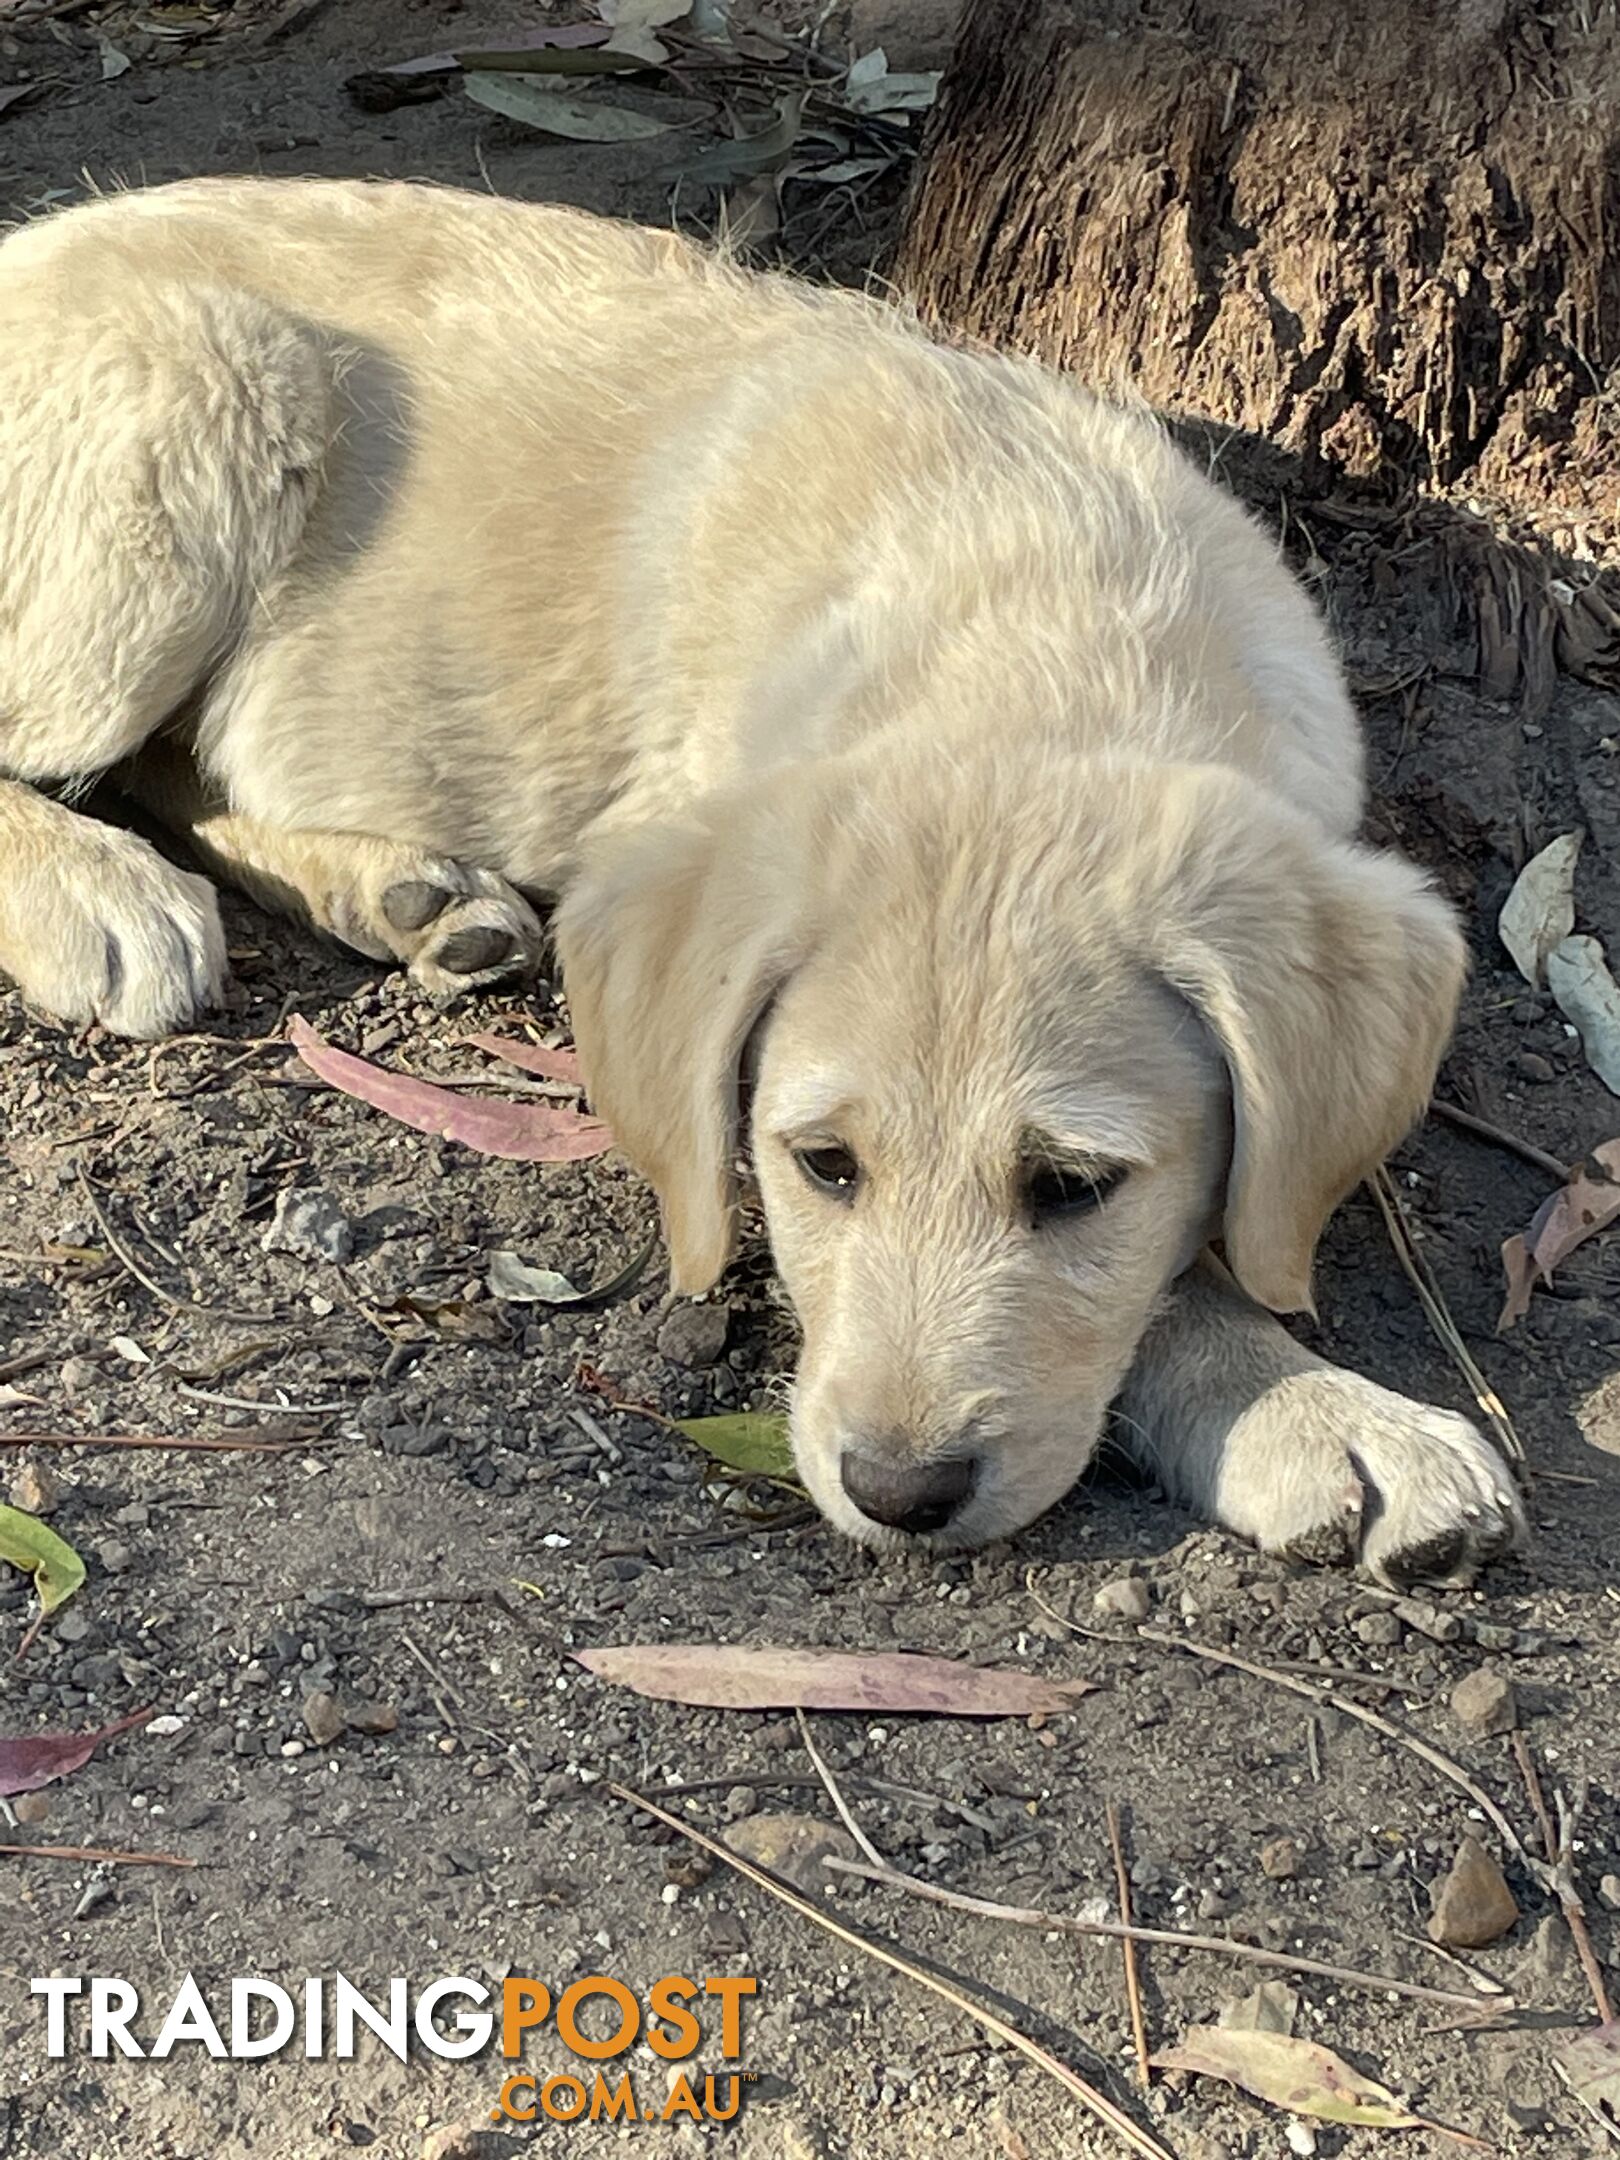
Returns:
<point x="870" y="86"/>
<point x="638" y="15"/>
<point x="1539" y="912"/>
<point x="1590" y="2066"/>
<point x="1293" y="2074"/>
<point x="39" y="1759"/>
<point x="1270" y="2008"/>
<point x="516" y="1131"/>
<point x="579" y="119"/>
<point x="1577" y="1211"/>
<point x="512" y="1279"/>
<point x="766" y="151"/>
<point x="731" y="1676"/>
<point x="1586" y="992"/>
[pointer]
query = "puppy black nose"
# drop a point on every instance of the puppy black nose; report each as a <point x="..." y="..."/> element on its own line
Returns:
<point x="910" y="1496"/>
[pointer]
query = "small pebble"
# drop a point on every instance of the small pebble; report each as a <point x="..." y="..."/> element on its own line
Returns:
<point x="1484" y="1704"/>
<point x="1473" y="1906"/>
<point x="310" y="1225"/>
<point x="323" y="1717"/>
<point x="1280" y="1859"/>
<point x="1127" y="1598"/>
<point x="1430" y="1620"/>
<point x="35" y="1489"/>
<point x="694" y="1334"/>
<point x="1609" y="1892"/>
<point x="1380" y="1630"/>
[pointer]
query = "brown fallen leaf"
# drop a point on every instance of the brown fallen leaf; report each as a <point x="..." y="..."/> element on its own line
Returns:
<point x="729" y="1676"/>
<point x="1565" y="1219"/>
<point x="533" y="1058"/>
<point x="516" y="1131"/>
<point x="40" y="1758"/>
<point x="1293" y="2074"/>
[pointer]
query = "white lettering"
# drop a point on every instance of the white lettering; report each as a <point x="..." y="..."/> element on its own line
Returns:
<point x="246" y="2046"/>
<point x="112" y="2004"/>
<point x="188" y="2019"/>
<point x="56" y="1991"/>
<point x="475" y="2031"/>
<point x="348" y="2004"/>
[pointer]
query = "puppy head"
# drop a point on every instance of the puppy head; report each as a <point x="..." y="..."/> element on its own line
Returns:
<point x="1029" y="1031"/>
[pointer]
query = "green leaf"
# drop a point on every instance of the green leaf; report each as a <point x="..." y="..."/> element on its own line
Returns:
<point x="750" y="1441"/>
<point x="56" y="1568"/>
<point x="524" y="98"/>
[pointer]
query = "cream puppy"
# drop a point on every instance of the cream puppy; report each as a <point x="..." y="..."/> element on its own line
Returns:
<point x="899" y="724"/>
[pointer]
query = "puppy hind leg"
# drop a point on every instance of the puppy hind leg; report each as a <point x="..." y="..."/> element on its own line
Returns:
<point x="455" y="926"/>
<point x="156" y="460"/>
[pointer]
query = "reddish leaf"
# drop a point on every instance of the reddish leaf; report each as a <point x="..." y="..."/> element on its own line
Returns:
<point x="726" y="1676"/>
<point x="1567" y="1218"/>
<point x="560" y="1065"/>
<point x="517" y="1131"/>
<point x="27" y="1764"/>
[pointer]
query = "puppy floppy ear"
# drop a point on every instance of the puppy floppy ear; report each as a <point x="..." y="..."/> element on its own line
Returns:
<point x="1329" y="975"/>
<point x="673" y="940"/>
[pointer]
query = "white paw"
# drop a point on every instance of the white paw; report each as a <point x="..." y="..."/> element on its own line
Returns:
<point x="118" y="934"/>
<point x="1420" y="1492"/>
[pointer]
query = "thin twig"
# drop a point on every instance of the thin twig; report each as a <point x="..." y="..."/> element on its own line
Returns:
<point x="201" y="1443"/>
<point x="262" y="1409"/>
<point x="1470" y="1122"/>
<point x="1538" y="1799"/>
<point x="845" y="1813"/>
<point x="1560" y="1848"/>
<point x="1169" y="1938"/>
<point x="1099" y="2104"/>
<point x="1431" y="1297"/>
<point x="436" y="1682"/>
<point x="386" y="1600"/>
<point x="1127" y="1945"/>
<point x="1374" y="1719"/>
<point x="148" y="1281"/>
<point x="97" y="1853"/>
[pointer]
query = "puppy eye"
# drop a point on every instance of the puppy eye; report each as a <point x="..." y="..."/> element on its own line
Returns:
<point x="1052" y="1195"/>
<point x="833" y="1170"/>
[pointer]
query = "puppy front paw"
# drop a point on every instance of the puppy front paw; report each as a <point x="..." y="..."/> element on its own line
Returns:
<point x="123" y="937"/>
<point x="1418" y="1494"/>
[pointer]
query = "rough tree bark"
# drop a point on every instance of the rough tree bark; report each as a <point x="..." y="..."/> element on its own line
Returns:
<point x="1385" y="239"/>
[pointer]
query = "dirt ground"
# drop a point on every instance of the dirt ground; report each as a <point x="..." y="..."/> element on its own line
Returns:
<point x="456" y="1527"/>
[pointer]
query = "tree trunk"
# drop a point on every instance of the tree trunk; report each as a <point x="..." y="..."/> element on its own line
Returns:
<point x="1384" y="240"/>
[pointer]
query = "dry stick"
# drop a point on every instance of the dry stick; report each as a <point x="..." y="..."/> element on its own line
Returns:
<point x="1133" y="1985"/>
<point x="1098" y="2103"/>
<point x="202" y="1443"/>
<point x="1448" y="1769"/>
<point x="121" y="1252"/>
<point x="1171" y="1939"/>
<point x="100" y="1854"/>
<point x="1560" y="1845"/>
<point x="846" y="1814"/>
<point x="1430" y="1296"/>
<point x="1453" y="1771"/>
<point x="1470" y="1122"/>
